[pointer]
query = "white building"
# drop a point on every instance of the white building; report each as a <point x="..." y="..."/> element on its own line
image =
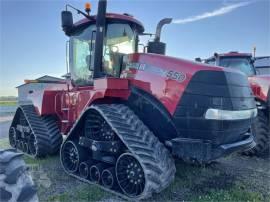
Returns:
<point x="38" y="84"/>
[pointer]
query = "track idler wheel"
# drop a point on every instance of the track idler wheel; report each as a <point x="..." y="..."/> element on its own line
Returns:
<point x="71" y="155"/>
<point x="84" y="168"/>
<point x="130" y="175"/>
<point x="108" y="178"/>
<point x="95" y="171"/>
<point x="12" y="137"/>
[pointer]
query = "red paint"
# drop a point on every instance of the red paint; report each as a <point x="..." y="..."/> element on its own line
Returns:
<point x="260" y="85"/>
<point x="68" y="105"/>
<point x="166" y="90"/>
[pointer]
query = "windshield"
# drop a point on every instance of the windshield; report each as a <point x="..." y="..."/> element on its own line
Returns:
<point x="119" y="40"/>
<point x="243" y="64"/>
<point x="81" y="56"/>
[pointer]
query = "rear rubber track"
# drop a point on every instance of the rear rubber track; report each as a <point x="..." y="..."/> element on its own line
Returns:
<point x="44" y="129"/>
<point x="54" y="134"/>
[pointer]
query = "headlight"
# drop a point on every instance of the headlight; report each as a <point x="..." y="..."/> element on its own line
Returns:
<point x="219" y="114"/>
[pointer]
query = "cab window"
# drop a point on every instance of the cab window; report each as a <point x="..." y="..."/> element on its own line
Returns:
<point x="243" y="64"/>
<point x="81" y="56"/>
<point x="119" y="41"/>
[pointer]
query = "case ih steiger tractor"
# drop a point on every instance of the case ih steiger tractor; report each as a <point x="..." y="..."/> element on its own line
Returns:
<point x="126" y="114"/>
<point x="260" y="85"/>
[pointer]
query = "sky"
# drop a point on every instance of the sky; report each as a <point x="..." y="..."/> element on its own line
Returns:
<point x="32" y="43"/>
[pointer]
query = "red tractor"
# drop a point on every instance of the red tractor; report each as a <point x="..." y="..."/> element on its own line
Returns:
<point x="260" y="85"/>
<point x="126" y="114"/>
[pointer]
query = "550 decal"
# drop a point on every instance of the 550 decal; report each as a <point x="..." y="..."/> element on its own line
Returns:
<point x="170" y="74"/>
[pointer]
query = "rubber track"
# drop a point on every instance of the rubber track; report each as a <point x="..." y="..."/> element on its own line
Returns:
<point x="54" y="134"/>
<point x="153" y="156"/>
<point x="40" y="128"/>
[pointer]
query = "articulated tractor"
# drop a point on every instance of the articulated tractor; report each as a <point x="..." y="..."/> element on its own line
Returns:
<point x="127" y="115"/>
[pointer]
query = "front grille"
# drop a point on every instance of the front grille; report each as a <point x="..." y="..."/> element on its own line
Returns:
<point x="218" y="90"/>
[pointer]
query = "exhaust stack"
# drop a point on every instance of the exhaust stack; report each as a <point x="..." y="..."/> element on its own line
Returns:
<point x="156" y="46"/>
<point x="159" y="27"/>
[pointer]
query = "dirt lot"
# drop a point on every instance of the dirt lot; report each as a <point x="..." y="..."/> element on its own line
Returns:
<point x="234" y="178"/>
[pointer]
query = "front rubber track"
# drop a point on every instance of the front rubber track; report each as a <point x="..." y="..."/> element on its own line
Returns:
<point x="156" y="160"/>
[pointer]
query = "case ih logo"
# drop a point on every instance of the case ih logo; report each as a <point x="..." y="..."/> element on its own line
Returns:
<point x="170" y="74"/>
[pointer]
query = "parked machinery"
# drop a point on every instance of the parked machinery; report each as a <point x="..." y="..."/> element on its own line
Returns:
<point x="260" y="85"/>
<point x="127" y="114"/>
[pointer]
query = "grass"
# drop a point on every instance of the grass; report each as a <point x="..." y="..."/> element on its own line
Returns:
<point x="8" y="103"/>
<point x="4" y="143"/>
<point x="81" y="193"/>
<point x="209" y="183"/>
<point x="234" y="194"/>
<point x="192" y="183"/>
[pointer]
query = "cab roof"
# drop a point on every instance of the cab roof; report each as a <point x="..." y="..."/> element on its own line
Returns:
<point x="113" y="16"/>
<point x="230" y="54"/>
<point x="234" y="53"/>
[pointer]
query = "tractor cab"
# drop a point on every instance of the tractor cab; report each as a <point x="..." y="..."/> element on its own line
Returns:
<point x="240" y="61"/>
<point x="97" y="44"/>
<point x="119" y="40"/>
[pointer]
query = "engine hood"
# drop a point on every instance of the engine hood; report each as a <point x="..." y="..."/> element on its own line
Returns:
<point x="187" y="67"/>
<point x="167" y="78"/>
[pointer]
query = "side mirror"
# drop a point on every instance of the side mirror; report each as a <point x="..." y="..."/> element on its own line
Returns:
<point x="67" y="20"/>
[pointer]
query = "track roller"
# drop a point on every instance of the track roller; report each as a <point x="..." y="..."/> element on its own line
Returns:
<point x="32" y="145"/>
<point x="17" y="144"/>
<point x="12" y="137"/>
<point x="20" y="145"/>
<point x="108" y="178"/>
<point x="84" y="168"/>
<point x="96" y="170"/>
<point x="25" y="147"/>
